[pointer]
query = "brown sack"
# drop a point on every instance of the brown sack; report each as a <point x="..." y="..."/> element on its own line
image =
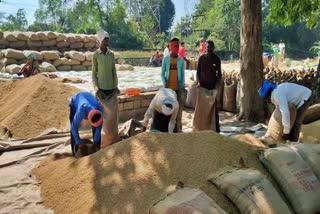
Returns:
<point x="275" y="127"/>
<point x="42" y="36"/>
<point x="191" y="94"/>
<point x="34" y="44"/>
<point x="50" y="55"/>
<point x="61" y="37"/>
<point x="4" y="43"/>
<point x="47" y="67"/>
<point x="187" y="201"/>
<point x="78" y="68"/>
<point x="7" y="61"/>
<point x="64" y="68"/>
<point x="65" y="61"/>
<point x="49" y="43"/>
<point x="229" y="96"/>
<point x="89" y="44"/>
<point x="89" y="55"/>
<point x="86" y="63"/>
<point x="310" y="133"/>
<point x="13" y="69"/>
<point x="76" y="45"/>
<point x="9" y="36"/>
<point x="312" y="114"/>
<point x="36" y="53"/>
<point x="17" y="44"/>
<point x="75" y="55"/>
<point x="50" y="35"/>
<point x="34" y="36"/>
<point x="204" y="114"/>
<point x="310" y="154"/>
<point x="20" y="36"/>
<point x="15" y="54"/>
<point x="62" y="44"/>
<point x="220" y="95"/>
<point x="295" y="177"/>
<point x="109" y="134"/>
<point x="249" y="190"/>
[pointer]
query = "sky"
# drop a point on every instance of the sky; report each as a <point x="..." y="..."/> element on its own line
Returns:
<point x="183" y="7"/>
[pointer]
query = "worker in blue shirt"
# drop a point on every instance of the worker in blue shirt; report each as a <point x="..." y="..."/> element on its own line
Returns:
<point x="85" y="106"/>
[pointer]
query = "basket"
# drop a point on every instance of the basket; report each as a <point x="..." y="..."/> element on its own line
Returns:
<point x="133" y="92"/>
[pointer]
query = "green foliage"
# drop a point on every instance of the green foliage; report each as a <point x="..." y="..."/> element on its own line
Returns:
<point x="288" y="12"/>
<point x="167" y="13"/>
<point x="316" y="47"/>
<point x="15" y="22"/>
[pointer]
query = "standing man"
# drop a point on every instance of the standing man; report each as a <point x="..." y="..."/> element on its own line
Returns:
<point x="282" y="47"/>
<point x="163" y="110"/>
<point x="182" y="54"/>
<point x="209" y="75"/>
<point x="105" y="80"/>
<point x="275" y="57"/>
<point x="84" y="106"/>
<point x="172" y="76"/>
<point x="203" y="47"/>
<point x="166" y="52"/>
<point x="283" y="95"/>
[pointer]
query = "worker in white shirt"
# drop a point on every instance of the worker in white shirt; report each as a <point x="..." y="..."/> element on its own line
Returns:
<point x="166" y="52"/>
<point x="163" y="110"/>
<point x="283" y="95"/>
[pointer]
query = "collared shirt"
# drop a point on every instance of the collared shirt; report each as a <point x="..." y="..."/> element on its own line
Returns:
<point x="289" y="93"/>
<point x="104" y="75"/>
<point x="209" y="71"/>
<point x="156" y="105"/>
<point x="82" y="103"/>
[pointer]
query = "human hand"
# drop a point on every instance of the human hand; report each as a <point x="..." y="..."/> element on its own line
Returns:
<point x="285" y="137"/>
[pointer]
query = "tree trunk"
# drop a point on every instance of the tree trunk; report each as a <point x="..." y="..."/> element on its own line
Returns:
<point x="251" y="66"/>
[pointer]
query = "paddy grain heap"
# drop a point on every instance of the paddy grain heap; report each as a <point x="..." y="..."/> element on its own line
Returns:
<point x="134" y="174"/>
<point x="32" y="105"/>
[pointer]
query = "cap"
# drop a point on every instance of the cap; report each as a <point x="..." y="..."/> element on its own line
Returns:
<point x="101" y="35"/>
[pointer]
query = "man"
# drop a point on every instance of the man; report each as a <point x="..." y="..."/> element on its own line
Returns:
<point x="166" y="52"/>
<point x="209" y="75"/>
<point x="275" y="57"/>
<point x="84" y="106"/>
<point x="31" y="67"/>
<point x="163" y="110"/>
<point x="282" y="50"/>
<point x="182" y="54"/>
<point x="156" y="59"/>
<point x="202" y="49"/>
<point x="173" y="77"/>
<point x="283" y="95"/>
<point x="105" y="80"/>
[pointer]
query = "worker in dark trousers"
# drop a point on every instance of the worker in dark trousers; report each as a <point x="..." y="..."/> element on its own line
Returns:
<point x="84" y="106"/>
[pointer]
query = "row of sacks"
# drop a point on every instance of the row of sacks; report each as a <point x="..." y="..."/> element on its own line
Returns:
<point x="228" y="93"/>
<point x="51" y="40"/>
<point x="49" y="67"/>
<point x="294" y="167"/>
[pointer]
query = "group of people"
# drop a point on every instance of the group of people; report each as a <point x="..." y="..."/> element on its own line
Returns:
<point x="164" y="113"/>
<point x="279" y="53"/>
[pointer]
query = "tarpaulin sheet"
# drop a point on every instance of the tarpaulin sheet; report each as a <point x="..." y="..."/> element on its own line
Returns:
<point x="19" y="191"/>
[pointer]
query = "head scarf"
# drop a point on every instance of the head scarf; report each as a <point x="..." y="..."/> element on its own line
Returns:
<point x="165" y="109"/>
<point x="101" y="35"/>
<point x="173" y="47"/>
<point x="32" y="56"/>
<point x="266" y="87"/>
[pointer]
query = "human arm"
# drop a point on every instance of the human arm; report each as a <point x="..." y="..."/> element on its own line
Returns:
<point x="148" y="114"/>
<point x="285" y="112"/>
<point x="198" y="69"/>
<point x="114" y="73"/>
<point x="75" y="125"/>
<point x="182" y="74"/>
<point x="95" y="71"/>
<point x="173" y="119"/>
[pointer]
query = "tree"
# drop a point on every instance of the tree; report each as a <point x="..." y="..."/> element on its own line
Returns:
<point x="251" y="71"/>
<point x="167" y="13"/>
<point x="16" y="22"/>
<point x="288" y="12"/>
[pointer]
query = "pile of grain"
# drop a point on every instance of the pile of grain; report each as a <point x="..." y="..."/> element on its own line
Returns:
<point x="30" y="106"/>
<point x="310" y="133"/>
<point x="132" y="175"/>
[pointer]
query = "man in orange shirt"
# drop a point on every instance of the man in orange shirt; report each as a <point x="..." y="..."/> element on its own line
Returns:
<point x="182" y="54"/>
<point x="173" y="77"/>
<point x="203" y="47"/>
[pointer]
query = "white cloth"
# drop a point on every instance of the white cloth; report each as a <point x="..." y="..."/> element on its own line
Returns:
<point x="164" y="95"/>
<point x="289" y="93"/>
<point x="166" y="52"/>
<point x="101" y="35"/>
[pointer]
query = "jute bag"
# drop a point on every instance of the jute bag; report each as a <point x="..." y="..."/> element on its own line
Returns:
<point x="310" y="154"/>
<point x="312" y="114"/>
<point x="275" y="127"/>
<point x="295" y="177"/>
<point x="229" y="96"/>
<point x="249" y="190"/>
<point x="187" y="200"/>
<point x="109" y="133"/>
<point x="204" y="114"/>
<point x="192" y="93"/>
